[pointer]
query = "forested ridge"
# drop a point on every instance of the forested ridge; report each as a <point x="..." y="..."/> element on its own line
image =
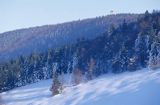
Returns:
<point x="41" y="38"/>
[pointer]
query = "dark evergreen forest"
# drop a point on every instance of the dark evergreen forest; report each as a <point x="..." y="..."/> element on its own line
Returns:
<point x="126" y="47"/>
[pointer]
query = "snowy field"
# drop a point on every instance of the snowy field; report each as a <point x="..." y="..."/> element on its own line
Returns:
<point x="134" y="88"/>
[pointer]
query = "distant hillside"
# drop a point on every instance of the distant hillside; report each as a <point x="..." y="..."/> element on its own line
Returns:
<point x="37" y="39"/>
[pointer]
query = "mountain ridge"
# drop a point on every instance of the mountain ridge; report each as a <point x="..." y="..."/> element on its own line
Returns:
<point x="24" y="41"/>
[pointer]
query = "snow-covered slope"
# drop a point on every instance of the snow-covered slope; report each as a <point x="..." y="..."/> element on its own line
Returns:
<point x="134" y="88"/>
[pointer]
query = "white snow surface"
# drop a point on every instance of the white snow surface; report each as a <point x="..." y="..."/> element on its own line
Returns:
<point x="130" y="88"/>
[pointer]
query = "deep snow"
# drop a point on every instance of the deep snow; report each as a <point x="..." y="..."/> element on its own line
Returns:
<point x="129" y="88"/>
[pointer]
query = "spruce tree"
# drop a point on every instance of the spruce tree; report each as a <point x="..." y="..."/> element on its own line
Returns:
<point x="56" y="87"/>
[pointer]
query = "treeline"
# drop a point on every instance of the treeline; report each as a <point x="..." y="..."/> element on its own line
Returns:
<point x="128" y="47"/>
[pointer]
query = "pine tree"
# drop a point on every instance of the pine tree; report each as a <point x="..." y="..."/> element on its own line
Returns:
<point x="56" y="87"/>
<point x="111" y="30"/>
<point x="3" y="77"/>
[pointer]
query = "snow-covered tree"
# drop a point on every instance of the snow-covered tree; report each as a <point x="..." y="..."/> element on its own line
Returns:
<point x="76" y="72"/>
<point x="154" y="54"/>
<point x="56" y="87"/>
<point x="141" y="49"/>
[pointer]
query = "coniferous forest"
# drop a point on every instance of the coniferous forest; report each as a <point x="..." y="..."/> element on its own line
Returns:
<point x="128" y="46"/>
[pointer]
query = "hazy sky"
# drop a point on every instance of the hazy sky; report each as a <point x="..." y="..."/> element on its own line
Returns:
<point x="17" y="14"/>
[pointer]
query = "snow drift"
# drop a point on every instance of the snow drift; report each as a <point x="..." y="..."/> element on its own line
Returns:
<point x="129" y="88"/>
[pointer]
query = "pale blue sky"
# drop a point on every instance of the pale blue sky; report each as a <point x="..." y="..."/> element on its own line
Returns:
<point x="17" y="14"/>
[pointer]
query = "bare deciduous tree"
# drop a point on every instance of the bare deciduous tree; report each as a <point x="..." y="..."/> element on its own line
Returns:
<point x="91" y="66"/>
<point x="77" y="76"/>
